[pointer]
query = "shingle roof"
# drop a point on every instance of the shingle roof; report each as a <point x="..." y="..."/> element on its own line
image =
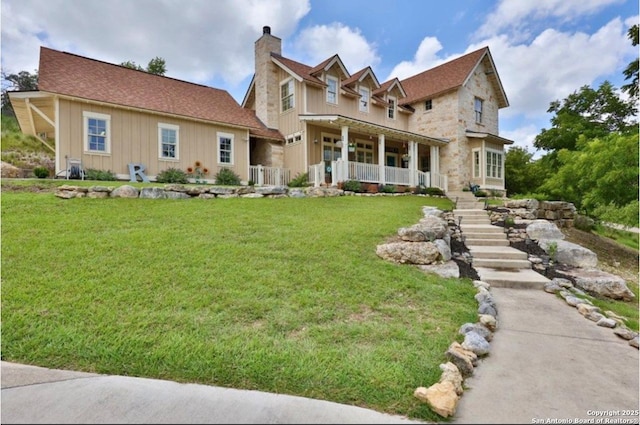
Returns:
<point x="442" y="78"/>
<point x="76" y="76"/>
<point x="301" y="70"/>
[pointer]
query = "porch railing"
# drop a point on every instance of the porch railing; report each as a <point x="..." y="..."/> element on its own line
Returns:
<point x="370" y="173"/>
<point x="269" y="176"/>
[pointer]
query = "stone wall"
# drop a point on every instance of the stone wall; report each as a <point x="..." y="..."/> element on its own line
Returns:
<point x="178" y="191"/>
<point x="524" y="211"/>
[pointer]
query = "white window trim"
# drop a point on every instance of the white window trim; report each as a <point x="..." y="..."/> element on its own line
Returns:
<point x="176" y="128"/>
<point x="395" y="107"/>
<point x="360" y="107"/>
<point x="86" y="115"/>
<point x="220" y="135"/>
<point x="478" y="113"/>
<point x="337" y="82"/>
<point x="499" y="167"/>
<point x="292" y="94"/>
<point x="294" y="138"/>
<point x="477" y="169"/>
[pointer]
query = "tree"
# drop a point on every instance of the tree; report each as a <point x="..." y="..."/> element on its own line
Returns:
<point x="589" y="113"/>
<point x="156" y="66"/>
<point x="631" y="71"/>
<point x="521" y="176"/>
<point x="22" y="81"/>
<point x="602" y="172"/>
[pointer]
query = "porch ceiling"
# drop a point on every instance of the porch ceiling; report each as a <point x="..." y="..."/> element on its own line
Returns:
<point x="34" y="112"/>
<point x="492" y="138"/>
<point x="338" y="121"/>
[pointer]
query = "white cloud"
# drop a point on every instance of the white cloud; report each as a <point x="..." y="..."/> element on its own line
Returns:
<point x="317" y="43"/>
<point x="556" y="64"/>
<point x="523" y="137"/>
<point x="516" y="16"/>
<point x="199" y="39"/>
<point x="425" y="58"/>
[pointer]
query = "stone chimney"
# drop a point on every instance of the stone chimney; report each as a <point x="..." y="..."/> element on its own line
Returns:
<point x="266" y="84"/>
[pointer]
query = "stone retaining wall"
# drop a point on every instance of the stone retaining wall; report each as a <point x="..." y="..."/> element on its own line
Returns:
<point x="561" y="213"/>
<point x="178" y="191"/>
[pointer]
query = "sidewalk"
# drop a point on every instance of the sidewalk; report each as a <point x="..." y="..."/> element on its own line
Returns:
<point x="546" y="362"/>
<point x="37" y="395"/>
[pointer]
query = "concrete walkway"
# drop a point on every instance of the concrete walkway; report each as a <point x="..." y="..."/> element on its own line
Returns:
<point x="35" y="395"/>
<point x="549" y="362"/>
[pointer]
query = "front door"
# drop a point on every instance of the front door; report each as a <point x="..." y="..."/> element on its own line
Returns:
<point x="391" y="159"/>
<point x="330" y="152"/>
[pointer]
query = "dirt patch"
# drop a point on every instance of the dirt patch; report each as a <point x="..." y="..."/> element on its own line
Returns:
<point x="612" y="257"/>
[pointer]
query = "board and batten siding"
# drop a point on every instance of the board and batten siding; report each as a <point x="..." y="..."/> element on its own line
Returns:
<point x="134" y="139"/>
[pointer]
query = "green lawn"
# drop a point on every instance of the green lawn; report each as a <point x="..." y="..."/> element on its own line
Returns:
<point x="279" y="295"/>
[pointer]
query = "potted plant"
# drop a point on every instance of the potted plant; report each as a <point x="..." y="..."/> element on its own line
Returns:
<point x="352" y="147"/>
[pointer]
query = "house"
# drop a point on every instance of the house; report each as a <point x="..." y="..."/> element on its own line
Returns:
<point x="437" y="128"/>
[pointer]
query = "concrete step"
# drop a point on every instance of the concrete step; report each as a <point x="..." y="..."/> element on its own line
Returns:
<point x="469" y="242"/>
<point x="501" y="263"/>
<point x="504" y="252"/>
<point x="470" y="212"/>
<point x="481" y="228"/>
<point x="521" y="279"/>
<point x="479" y="235"/>
<point x="475" y="220"/>
<point x="469" y="205"/>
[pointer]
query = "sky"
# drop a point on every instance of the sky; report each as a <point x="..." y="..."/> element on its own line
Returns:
<point x="544" y="50"/>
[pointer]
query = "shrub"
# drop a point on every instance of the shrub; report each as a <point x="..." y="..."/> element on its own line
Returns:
<point x="480" y="193"/>
<point x="251" y="183"/>
<point x="227" y="177"/>
<point x="433" y="191"/>
<point x="300" y="180"/>
<point x="352" y="186"/>
<point x="388" y="188"/>
<point x="172" y="175"/>
<point x="509" y="221"/>
<point x="582" y="222"/>
<point x="93" y="174"/>
<point x="41" y="172"/>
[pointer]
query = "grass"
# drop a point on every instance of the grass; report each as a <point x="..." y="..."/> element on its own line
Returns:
<point x="285" y="296"/>
<point x="623" y="237"/>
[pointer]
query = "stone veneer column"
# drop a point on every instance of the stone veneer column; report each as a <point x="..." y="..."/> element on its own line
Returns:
<point x="266" y="84"/>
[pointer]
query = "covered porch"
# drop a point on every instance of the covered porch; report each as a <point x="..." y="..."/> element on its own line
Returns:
<point x="345" y="148"/>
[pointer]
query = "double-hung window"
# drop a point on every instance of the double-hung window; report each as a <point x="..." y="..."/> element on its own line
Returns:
<point x="364" y="99"/>
<point x="391" y="111"/>
<point x="225" y="148"/>
<point x="494" y="164"/>
<point x="97" y="129"/>
<point x="332" y="90"/>
<point x="287" y="99"/>
<point x="168" y="139"/>
<point x="478" y="109"/>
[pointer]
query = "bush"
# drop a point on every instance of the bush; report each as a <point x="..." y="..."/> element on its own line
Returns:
<point x="352" y="186"/>
<point x="582" y="222"/>
<point x="172" y="175"/>
<point x="433" y="191"/>
<point x="41" y="172"/>
<point x="93" y="174"/>
<point x="227" y="177"/>
<point x="300" y="180"/>
<point x="480" y="193"/>
<point x="388" y="188"/>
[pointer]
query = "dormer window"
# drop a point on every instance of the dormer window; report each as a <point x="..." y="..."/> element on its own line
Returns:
<point x="391" y="109"/>
<point x="364" y="99"/>
<point x="332" y="90"/>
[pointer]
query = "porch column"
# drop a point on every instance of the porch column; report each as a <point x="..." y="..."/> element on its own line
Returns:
<point x="435" y="166"/>
<point x="413" y="161"/>
<point x="381" y="159"/>
<point x="345" y="152"/>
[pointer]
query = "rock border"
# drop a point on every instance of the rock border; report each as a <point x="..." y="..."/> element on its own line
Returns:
<point x="575" y="297"/>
